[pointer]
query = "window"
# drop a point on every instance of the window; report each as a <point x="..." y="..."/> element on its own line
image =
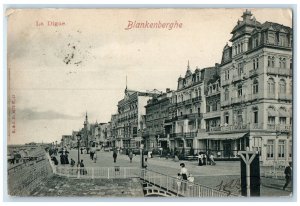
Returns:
<point x="257" y="144"/>
<point x="226" y="94"/>
<point x="271" y="61"/>
<point x="255" y="63"/>
<point x="240" y="90"/>
<point x="191" y="111"/>
<point x="226" y="74"/>
<point x="282" y="120"/>
<point x="240" y="69"/>
<point x="255" y="87"/>
<point x="282" y="86"/>
<point x="271" y="120"/>
<point x="207" y="108"/>
<point x="271" y="38"/>
<point x="227" y="118"/>
<point x="198" y="110"/>
<point x="281" y="148"/>
<point x="189" y="143"/>
<point x="255" y="117"/>
<point x="291" y="64"/>
<point x="271" y="87"/>
<point x="270" y="149"/>
<point x="282" y="63"/>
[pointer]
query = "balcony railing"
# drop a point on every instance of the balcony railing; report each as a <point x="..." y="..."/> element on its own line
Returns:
<point x="284" y="96"/>
<point x="253" y="72"/>
<point x="253" y="96"/>
<point x="272" y="70"/>
<point x="257" y="126"/>
<point x="226" y="82"/>
<point x="239" y="99"/>
<point x="213" y="92"/>
<point x="213" y="129"/>
<point x="212" y="114"/>
<point x="239" y="77"/>
<point x="196" y="99"/>
<point x="279" y="71"/>
<point x="184" y="134"/>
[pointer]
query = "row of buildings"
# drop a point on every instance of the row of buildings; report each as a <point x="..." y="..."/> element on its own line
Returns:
<point x="243" y="101"/>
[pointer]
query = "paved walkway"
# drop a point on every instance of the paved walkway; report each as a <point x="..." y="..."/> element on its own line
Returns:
<point x="225" y="173"/>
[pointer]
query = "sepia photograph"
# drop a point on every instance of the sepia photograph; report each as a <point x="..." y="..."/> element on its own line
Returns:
<point x="150" y="102"/>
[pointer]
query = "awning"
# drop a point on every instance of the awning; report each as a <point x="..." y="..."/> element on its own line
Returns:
<point x="231" y="136"/>
<point x="272" y="113"/>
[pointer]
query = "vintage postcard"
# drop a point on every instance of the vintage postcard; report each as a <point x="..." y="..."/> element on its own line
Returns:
<point x="175" y="103"/>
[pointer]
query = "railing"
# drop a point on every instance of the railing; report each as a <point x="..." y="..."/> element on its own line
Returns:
<point x="212" y="114"/>
<point x="239" y="77"/>
<point x="213" y="92"/>
<point x="226" y="82"/>
<point x="213" y="129"/>
<point x="253" y="72"/>
<point x="180" y="187"/>
<point x="239" y="99"/>
<point x="184" y="134"/>
<point x="116" y="172"/>
<point x="253" y="96"/>
<point x="279" y="71"/>
<point x="284" y="96"/>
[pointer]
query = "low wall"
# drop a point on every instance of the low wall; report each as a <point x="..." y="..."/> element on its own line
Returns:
<point x="25" y="177"/>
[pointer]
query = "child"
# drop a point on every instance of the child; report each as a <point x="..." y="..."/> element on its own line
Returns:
<point x="179" y="179"/>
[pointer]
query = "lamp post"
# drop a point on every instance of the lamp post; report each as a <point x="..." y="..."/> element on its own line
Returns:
<point x="78" y="145"/>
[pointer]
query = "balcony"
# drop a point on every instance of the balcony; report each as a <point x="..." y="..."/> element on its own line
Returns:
<point x="283" y="128"/>
<point x="214" y="129"/>
<point x="212" y="114"/>
<point x="213" y="92"/>
<point x="253" y="73"/>
<point x="253" y="97"/>
<point x="272" y="70"/>
<point x="285" y="72"/>
<point x="240" y="77"/>
<point x="225" y="82"/>
<point x="225" y="103"/>
<point x="271" y="126"/>
<point x="184" y="135"/>
<point x="284" y="96"/>
<point x="197" y="99"/>
<point x="240" y="99"/>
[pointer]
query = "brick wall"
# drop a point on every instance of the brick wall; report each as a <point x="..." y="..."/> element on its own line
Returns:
<point x="24" y="178"/>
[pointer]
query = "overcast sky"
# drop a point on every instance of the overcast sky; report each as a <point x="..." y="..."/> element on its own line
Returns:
<point x="59" y="73"/>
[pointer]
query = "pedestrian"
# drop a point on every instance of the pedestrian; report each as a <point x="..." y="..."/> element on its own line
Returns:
<point x="81" y="150"/>
<point x="72" y="162"/>
<point x="184" y="174"/>
<point x="82" y="169"/>
<point x="212" y="161"/>
<point x="288" y="175"/>
<point x="115" y="156"/>
<point x="204" y="159"/>
<point x="130" y="155"/>
<point x="145" y="163"/>
<point x="95" y="157"/>
<point x="200" y="159"/>
<point x="178" y="181"/>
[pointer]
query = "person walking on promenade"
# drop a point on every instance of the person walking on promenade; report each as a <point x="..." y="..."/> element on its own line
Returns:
<point x="115" y="156"/>
<point x="178" y="181"/>
<point x="200" y="159"/>
<point x="130" y="155"/>
<point x="81" y="150"/>
<point x="95" y="157"/>
<point x="184" y="174"/>
<point x="72" y="162"/>
<point x="288" y="175"/>
<point x="82" y="170"/>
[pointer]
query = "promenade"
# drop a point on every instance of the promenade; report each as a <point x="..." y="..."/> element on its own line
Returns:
<point x="225" y="175"/>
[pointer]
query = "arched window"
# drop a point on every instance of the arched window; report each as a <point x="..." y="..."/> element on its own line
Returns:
<point x="282" y="86"/>
<point x="269" y="61"/>
<point x="271" y="87"/>
<point x="255" y="87"/>
<point x="273" y="62"/>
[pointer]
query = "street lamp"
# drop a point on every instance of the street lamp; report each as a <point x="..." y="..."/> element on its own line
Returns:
<point x="78" y="144"/>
